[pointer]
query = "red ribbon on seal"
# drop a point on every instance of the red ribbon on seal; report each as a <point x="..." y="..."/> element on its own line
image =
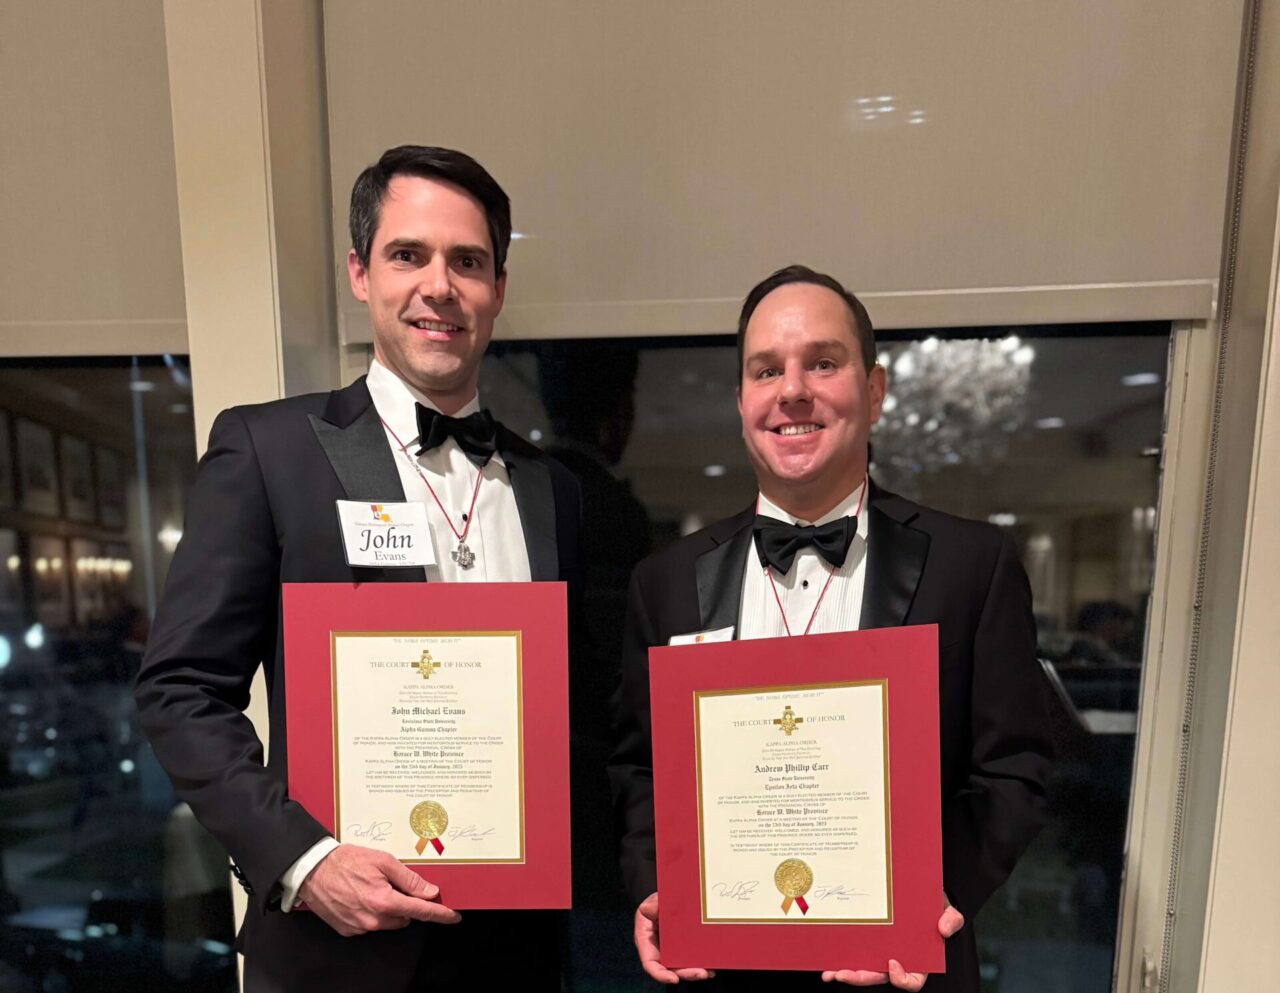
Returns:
<point x="798" y="901"/>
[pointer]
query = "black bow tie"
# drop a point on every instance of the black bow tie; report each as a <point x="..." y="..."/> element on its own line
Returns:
<point x="474" y="433"/>
<point x="778" y="542"/>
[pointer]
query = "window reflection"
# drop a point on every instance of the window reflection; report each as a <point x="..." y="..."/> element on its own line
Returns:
<point x="108" y="883"/>
<point x="1053" y="434"/>
<point x="1071" y="469"/>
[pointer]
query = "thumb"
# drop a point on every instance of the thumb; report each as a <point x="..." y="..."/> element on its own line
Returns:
<point x="409" y="882"/>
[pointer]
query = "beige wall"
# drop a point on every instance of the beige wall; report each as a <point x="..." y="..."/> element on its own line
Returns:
<point x="247" y="81"/>
<point x="1201" y="878"/>
<point x="661" y="163"/>
<point x="90" y="258"/>
<point x="1228" y="881"/>
<point x="663" y="156"/>
<point x="1244" y="873"/>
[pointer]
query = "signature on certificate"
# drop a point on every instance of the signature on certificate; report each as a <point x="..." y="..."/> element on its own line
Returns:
<point x="469" y="833"/>
<point x="741" y="890"/>
<point x="836" y="891"/>
<point x="373" y="831"/>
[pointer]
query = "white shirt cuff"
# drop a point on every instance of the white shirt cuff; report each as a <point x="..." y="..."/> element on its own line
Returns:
<point x="294" y="876"/>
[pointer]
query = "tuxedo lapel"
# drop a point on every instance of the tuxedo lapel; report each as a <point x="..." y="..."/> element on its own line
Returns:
<point x="360" y="458"/>
<point x="535" y="500"/>
<point x="896" y="555"/>
<point x="719" y="572"/>
<point x="355" y="443"/>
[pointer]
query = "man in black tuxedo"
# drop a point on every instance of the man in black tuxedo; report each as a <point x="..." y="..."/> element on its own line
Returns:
<point x="430" y="230"/>
<point x="823" y="549"/>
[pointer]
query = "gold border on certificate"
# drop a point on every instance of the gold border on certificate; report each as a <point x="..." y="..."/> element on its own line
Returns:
<point x="333" y="694"/>
<point x="698" y="696"/>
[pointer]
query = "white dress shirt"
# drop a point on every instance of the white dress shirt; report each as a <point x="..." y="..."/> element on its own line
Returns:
<point x="494" y="535"/>
<point x="800" y="591"/>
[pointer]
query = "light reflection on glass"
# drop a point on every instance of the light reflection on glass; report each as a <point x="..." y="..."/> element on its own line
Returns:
<point x="98" y="876"/>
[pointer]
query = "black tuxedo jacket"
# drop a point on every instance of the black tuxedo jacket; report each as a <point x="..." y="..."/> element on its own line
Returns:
<point x="261" y="513"/>
<point x="923" y="567"/>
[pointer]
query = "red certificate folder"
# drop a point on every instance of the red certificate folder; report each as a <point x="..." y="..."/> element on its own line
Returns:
<point x="314" y="611"/>
<point x="906" y="659"/>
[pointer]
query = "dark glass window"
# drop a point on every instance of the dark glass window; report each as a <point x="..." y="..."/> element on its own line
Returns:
<point x="108" y="882"/>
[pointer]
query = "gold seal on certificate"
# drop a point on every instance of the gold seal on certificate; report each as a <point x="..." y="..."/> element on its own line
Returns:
<point x="428" y="820"/>
<point x="793" y="878"/>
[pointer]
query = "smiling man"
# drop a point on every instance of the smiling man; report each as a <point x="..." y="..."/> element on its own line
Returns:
<point x="823" y="549"/>
<point x="430" y="230"/>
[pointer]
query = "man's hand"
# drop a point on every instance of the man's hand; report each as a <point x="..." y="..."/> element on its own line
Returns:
<point x="355" y="890"/>
<point x="949" y="923"/>
<point x="647" y="945"/>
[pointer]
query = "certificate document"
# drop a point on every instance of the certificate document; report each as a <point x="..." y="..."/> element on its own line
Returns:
<point x="407" y="706"/>
<point x="797" y="801"/>
<point x="793" y="804"/>
<point x="428" y="744"/>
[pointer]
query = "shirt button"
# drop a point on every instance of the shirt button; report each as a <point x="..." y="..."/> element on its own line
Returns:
<point x="804" y="584"/>
<point x="464" y="517"/>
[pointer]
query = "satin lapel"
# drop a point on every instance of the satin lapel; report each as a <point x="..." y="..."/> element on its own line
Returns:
<point x="536" y="502"/>
<point x="362" y="460"/>
<point x="719" y="573"/>
<point x="896" y="554"/>
<point x="361" y="457"/>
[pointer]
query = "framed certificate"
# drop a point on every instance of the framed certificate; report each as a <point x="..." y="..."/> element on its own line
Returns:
<point x="109" y="466"/>
<point x="409" y="707"/>
<point x="77" y="479"/>
<point x="37" y="468"/>
<point x="797" y="802"/>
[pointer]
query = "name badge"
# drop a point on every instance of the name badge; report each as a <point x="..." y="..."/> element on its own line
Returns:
<point x="702" y="637"/>
<point x="387" y="535"/>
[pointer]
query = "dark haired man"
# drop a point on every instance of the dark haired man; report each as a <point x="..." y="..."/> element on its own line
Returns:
<point x="809" y="391"/>
<point x="430" y="230"/>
